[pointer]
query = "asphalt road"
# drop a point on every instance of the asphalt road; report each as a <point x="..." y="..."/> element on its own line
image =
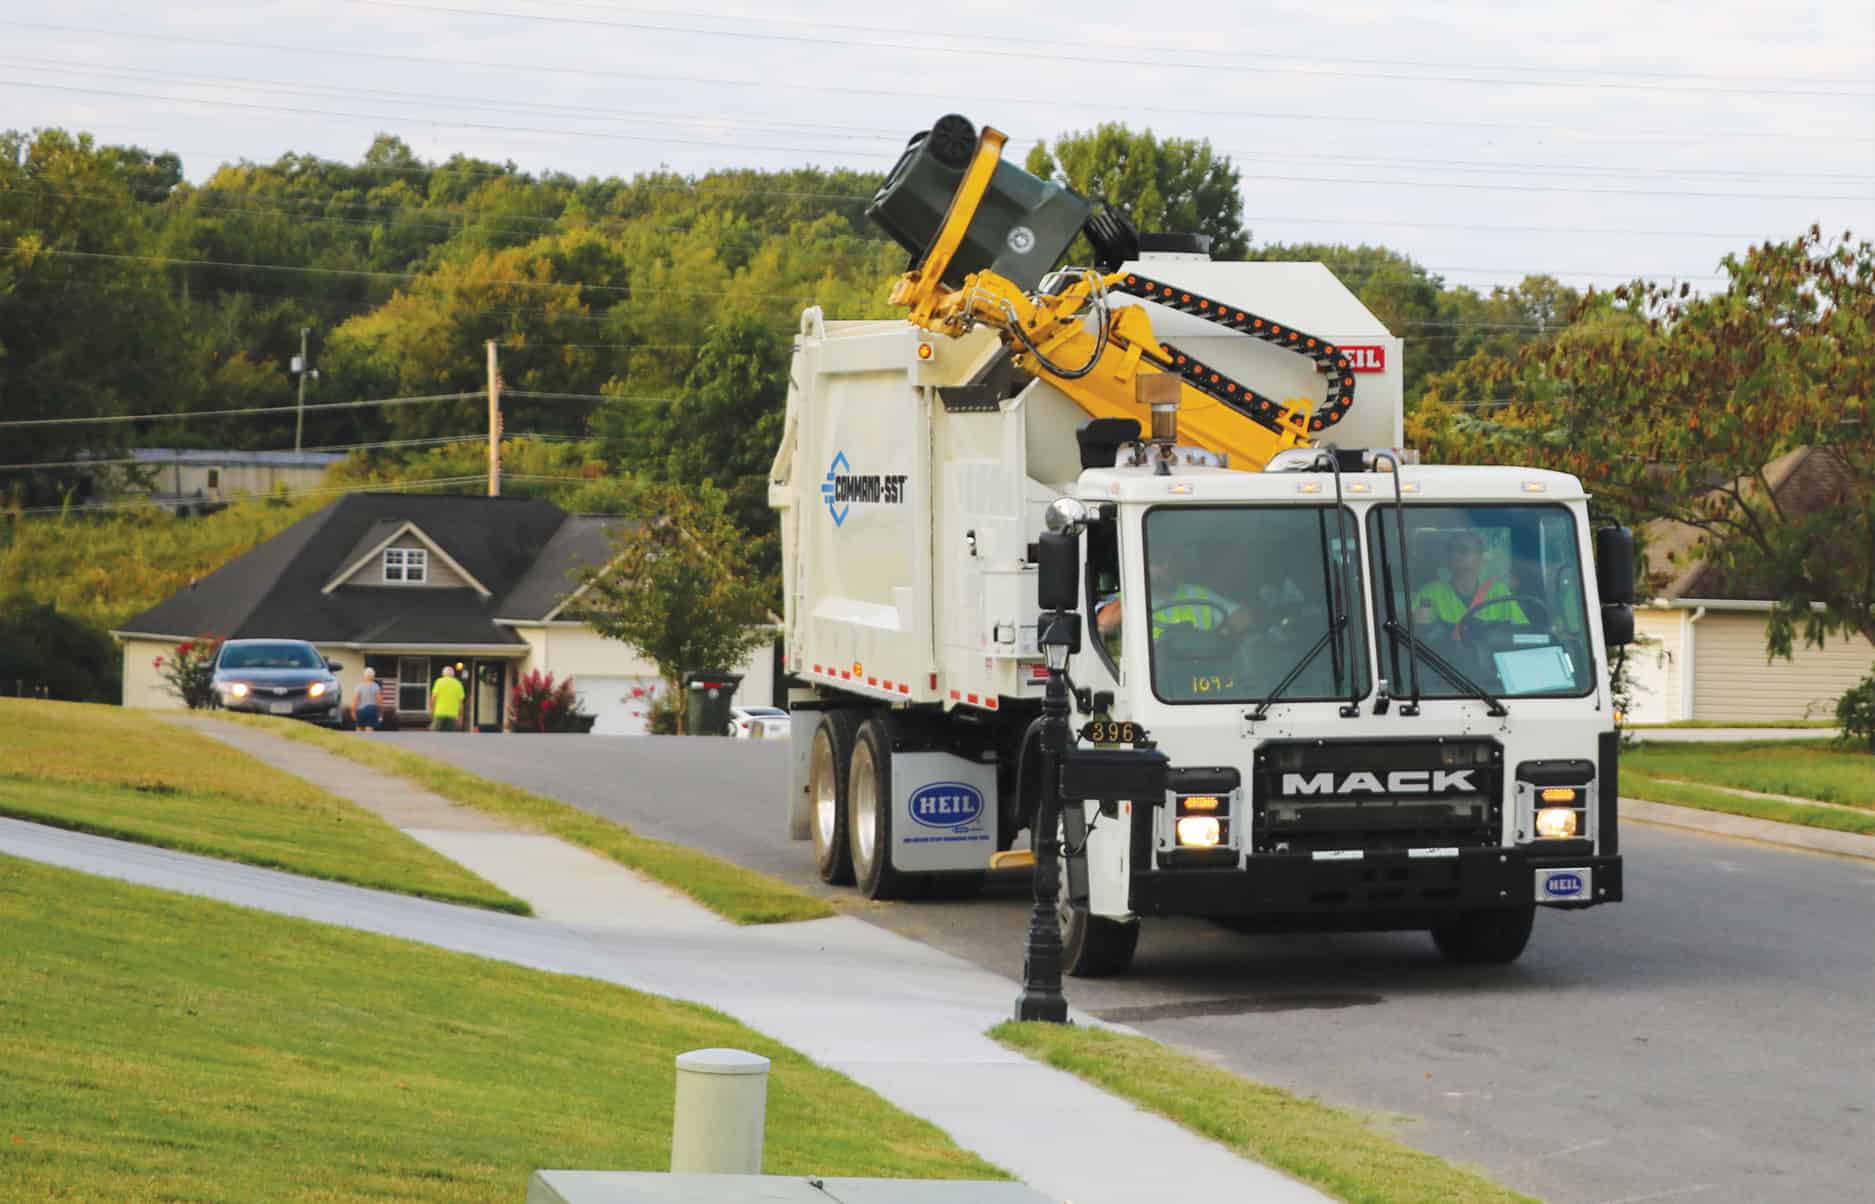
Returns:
<point x="1711" y="1039"/>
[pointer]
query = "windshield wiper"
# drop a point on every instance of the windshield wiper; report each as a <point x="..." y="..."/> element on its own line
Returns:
<point x="1452" y="673"/>
<point x="1335" y="624"/>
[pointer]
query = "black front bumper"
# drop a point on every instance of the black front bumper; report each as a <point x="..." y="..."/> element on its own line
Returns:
<point x="1383" y="890"/>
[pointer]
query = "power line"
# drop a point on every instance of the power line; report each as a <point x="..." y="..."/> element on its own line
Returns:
<point x="375" y="445"/>
<point x="558" y="70"/>
<point x="282" y="410"/>
<point x="727" y="145"/>
<point x="428" y="277"/>
<point x="1226" y="36"/>
<point x="468" y="219"/>
<point x="893" y="137"/>
<point x="285" y="494"/>
<point x="1032" y="54"/>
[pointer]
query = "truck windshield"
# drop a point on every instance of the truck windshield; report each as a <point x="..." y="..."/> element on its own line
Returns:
<point x="1237" y="595"/>
<point x="1496" y="592"/>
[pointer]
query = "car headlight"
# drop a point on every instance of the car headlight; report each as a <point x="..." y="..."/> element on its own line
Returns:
<point x="1556" y="823"/>
<point x="237" y="689"/>
<point x="316" y="690"/>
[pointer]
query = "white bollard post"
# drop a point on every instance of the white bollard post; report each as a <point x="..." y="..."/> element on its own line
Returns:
<point x="722" y="1101"/>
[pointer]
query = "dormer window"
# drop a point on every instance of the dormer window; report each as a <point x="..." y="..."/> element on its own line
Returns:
<point x="406" y="565"/>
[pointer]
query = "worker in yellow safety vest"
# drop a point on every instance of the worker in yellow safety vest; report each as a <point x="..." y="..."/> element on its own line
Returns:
<point x="1176" y="601"/>
<point x="1448" y="601"/>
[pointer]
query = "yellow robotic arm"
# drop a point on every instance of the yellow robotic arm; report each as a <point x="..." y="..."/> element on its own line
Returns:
<point x="1119" y="368"/>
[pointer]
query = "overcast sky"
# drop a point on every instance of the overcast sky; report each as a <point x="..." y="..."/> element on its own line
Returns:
<point x="1593" y="140"/>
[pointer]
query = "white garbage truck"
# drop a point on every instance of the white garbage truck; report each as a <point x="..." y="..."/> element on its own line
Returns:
<point x="1380" y="689"/>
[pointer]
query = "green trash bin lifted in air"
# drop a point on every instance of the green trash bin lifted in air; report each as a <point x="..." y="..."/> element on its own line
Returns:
<point x="707" y="693"/>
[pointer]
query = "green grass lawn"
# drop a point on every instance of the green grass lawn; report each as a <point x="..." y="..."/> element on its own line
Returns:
<point x="1810" y="769"/>
<point x="125" y="774"/>
<point x="1332" y="1150"/>
<point x="1792" y="724"/>
<point x="165" y="1048"/>
<point x="1707" y="798"/>
<point x="738" y="894"/>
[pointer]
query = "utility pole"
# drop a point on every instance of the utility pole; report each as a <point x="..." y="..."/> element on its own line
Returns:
<point x="301" y="365"/>
<point x="494" y="423"/>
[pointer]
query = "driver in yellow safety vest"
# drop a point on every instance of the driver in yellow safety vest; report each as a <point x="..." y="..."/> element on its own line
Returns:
<point x="1176" y="603"/>
<point x="1448" y="602"/>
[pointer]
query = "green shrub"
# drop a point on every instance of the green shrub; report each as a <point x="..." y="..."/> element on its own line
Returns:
<point x="1855" y="713"/>
<point x="44" y="651"/>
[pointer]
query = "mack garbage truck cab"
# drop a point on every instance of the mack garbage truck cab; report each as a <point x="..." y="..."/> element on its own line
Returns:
<point x="1380" y="689"/>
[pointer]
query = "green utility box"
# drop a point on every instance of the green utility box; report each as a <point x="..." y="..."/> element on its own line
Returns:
<point x="707" y="694"/>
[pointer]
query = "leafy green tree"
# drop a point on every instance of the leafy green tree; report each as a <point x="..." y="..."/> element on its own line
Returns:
<point x="724" y="431"/>
<point x="1672" y="406"/>
<point x="680" y="587"/>
<point x="86" y="326"/>
<point x="1403" y="295"/>
<point x="1173" y="185"/>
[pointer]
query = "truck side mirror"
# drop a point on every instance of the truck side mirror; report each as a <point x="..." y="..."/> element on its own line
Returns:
<point x="1058" y="582"/>
<point x="1617" y="625"/>
<point x="1614" y="565"/>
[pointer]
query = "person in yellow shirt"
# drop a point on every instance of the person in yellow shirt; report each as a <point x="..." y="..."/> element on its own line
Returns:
<point x="1448" y="601"/>
<point x="446" y="702"/>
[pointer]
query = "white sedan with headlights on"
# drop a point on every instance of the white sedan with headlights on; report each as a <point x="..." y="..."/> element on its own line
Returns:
<point x="758" y="723"/>
<point x="277" y="677"/>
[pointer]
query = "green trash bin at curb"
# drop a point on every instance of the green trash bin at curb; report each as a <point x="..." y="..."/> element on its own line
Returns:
<point x="707" y="693"/>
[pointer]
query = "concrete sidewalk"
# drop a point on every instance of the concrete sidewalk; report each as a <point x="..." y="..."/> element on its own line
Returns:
<point x="898" y="1016"/>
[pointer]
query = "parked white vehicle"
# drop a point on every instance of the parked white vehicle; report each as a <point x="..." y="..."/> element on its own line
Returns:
<point x="757" y="723"/>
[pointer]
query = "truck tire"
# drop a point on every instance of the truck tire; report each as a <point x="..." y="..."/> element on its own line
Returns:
<point x="827" y="768"/>
<point x="869" y="814"/>
<point x="1489" y="937"/>
<point x="1092" y="946"/>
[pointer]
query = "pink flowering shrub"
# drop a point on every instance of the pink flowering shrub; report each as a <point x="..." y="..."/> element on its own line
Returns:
<point x="189" y="671"/>
<point x="536" y="703"/>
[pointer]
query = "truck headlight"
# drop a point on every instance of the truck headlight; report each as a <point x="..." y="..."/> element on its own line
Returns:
<point x="1556" y="823"/>
<point x="1199" y="832"/>
<point x="238" y="690"/>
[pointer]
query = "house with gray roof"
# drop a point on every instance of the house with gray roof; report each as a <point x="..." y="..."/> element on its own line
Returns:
<point x="407" y="583"/>
<point x="1700" y="636"/>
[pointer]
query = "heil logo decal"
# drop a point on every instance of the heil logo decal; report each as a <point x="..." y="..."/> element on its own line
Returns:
<point x="946" y="805"/>
<point x="843" y="487"/>
<point x="1563" y="884"/>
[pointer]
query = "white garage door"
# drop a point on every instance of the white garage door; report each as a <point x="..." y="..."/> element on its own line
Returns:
<point x="622" y="704"/>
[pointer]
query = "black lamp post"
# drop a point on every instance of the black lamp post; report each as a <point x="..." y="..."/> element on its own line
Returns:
<point x="1041" y="997"/>
<point x="1057" y="589"/>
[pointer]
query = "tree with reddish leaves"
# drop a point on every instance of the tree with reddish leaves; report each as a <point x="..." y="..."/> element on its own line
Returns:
<point x="1675" y="406"/>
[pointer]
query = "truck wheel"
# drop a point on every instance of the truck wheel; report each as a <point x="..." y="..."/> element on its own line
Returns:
<point x="1093" y="946"/>
<point x="869" y="814"/>
<point x="1491" y="937"/>
<point x="826" y="788"/>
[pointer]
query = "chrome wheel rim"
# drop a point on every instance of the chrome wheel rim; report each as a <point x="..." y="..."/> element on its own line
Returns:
<point x="826" y="805"/>
<point x="863" y="789"/>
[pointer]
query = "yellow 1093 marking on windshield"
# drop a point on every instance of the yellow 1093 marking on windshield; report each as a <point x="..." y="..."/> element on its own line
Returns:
<point x="1211" y="685"/>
